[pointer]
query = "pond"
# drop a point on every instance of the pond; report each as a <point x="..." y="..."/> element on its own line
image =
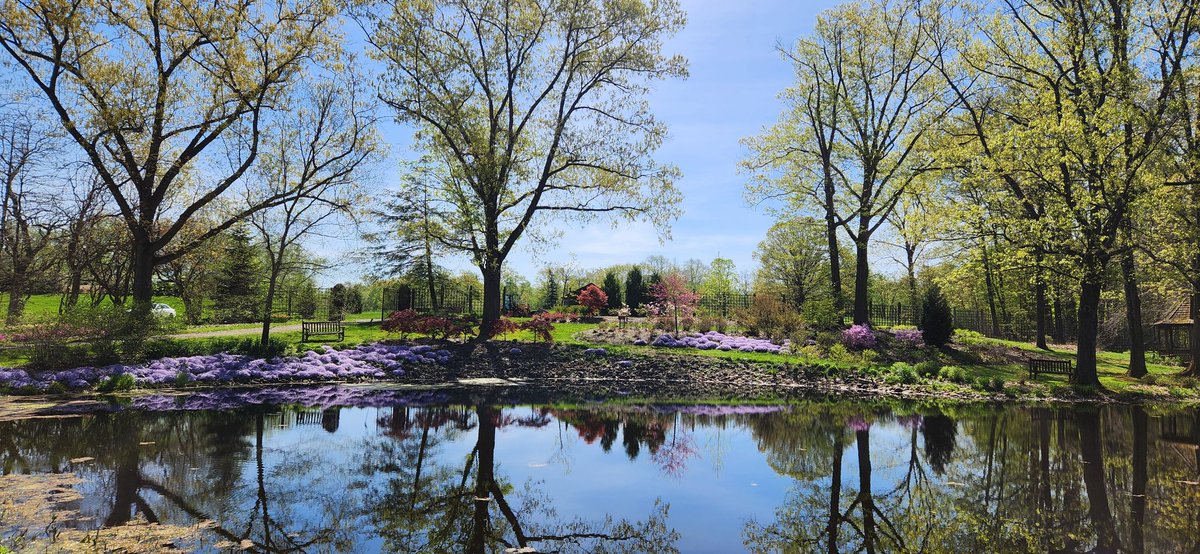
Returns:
<point x="337" y="469"/>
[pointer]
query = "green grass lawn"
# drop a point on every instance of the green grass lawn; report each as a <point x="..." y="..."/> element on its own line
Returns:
<point x="41" y="307"/>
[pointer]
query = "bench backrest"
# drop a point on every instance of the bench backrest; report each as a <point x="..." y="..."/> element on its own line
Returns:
<point x="321" y="326"/>
<point x="1050" y="366"/>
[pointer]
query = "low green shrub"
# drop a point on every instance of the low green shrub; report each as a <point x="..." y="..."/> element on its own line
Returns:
<point x="901" y="373"/>
<point x="952" y="373"/>
<point x="928" y="368"/>
<point x="122" y="382"/>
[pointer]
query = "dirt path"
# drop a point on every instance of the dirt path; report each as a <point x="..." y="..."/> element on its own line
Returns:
<point x="247" y="331"/>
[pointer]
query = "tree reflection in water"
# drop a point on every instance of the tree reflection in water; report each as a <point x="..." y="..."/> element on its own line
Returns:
<point x="856" y="477"/>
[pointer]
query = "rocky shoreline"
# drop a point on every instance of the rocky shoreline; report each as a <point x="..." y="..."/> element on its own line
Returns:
<point x="514" y="372"/>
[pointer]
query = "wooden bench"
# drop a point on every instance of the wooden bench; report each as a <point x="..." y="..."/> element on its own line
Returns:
<point x="1054" y="367"/>
<point x="322" y="329"/>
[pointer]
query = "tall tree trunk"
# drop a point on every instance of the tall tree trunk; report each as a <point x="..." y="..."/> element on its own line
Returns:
<point x="485" y="445"/>
<point x="491" y="298"/>
<point x="1133" y="316"/>
<point x="16" y="293"/>
<point x="990" y="286"/>
<point x="866" y="500"/>
<point x="1137" y="500"/>
<point x="835" y="495"/>
<point x="1091" y="449"/>
<point x="861" y="281"/>
<point x="269" y="303"/>
<point x="1089" y="322"/>
<point x="1193" y="367"/>
<point x="1039" y="310"/>
<point x="143" y="274"/>
<point x="835" y="256"/>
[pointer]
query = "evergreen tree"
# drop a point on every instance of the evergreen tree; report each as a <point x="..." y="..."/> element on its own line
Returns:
<point x="354" y="299"/>
<point x="635" y="290"/>
<point x="337" y="302"/>
<point x="305" y="301"/>
<point x="237" y="294"/>
<point x="937" y="322"/>
<point x="612" y="289"/>
<point x="552" y="295"/>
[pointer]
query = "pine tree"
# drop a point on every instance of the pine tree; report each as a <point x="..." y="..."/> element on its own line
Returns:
<point x="612" y="288"/>
<point x="635" y="290"/>
<point x="237" y="291"/>
<point x="937" y="322"/>
<point x="551" y="299"/>
<point x="305" y="302"/>
<point x="337" y="302"/>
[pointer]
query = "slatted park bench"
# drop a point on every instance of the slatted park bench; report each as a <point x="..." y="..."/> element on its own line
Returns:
<point x="310" y="329"/>
<point x="1054" y="367"/>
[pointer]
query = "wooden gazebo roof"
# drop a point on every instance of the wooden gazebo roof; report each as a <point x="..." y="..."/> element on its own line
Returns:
<point x="1181" y="314"/>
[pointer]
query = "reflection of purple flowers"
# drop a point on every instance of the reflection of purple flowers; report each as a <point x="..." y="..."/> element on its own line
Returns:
<point x="858" y="423"/>
<point x="326" y="396"/>
<point x="909" y="421"/>
<point x="714" y="340"/>
<point x="368" y="361"/>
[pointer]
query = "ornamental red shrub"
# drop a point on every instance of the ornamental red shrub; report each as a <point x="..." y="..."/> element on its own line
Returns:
<point x="592" y="298"/>
<point x="502" y="327"/>
<point x="541" y="327"/>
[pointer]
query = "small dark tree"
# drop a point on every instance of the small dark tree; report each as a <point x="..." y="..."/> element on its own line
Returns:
<point x="305" y="302"/>
<point x="612" y="289"/>
<point x="635" y="290"/>
<point x="337" y="302"/>
<point x="937" y="322"/>
<point x="552" y="298"/>
<point x="354" y="299"/>
<point x="236" y="291"/>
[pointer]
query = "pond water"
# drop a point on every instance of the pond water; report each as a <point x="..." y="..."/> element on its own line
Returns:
<point x="419" y="472"/>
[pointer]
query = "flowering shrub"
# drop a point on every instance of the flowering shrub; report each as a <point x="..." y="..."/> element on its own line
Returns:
<point x="541" y="327"/>
<point x="363" y="362"/>
<point x="713" y="340"/>
<point x="858" y="337"/>
<point x="909" y="338"/>
<point x="593" y="299"/>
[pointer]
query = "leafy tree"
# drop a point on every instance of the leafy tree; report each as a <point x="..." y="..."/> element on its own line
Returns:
<point x="592" y="298"/>
<point x="305" y="301"/>
<point x="612" y="289"/>
<point x="937" y="320"/>
<point x="313" y="157"/>
<point x="533" y="107"/>
<point x="635" y="290"/>
<point x="354" y="299"/>
<point x="237" y="290"/>
<point x="337" y="302"/>
<point x="874" y="63"/>
<point x="152" y="93"/>
<point x="792" y="258"/>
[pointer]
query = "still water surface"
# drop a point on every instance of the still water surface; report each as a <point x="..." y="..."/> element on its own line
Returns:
<point x="426" y="473"/>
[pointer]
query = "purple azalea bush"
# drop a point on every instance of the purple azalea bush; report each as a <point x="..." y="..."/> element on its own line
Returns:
<point x="714" y="340"/>
<point x="368" y="361"/>
<point x="910" y="338"/>
<point x="858" y="337"/>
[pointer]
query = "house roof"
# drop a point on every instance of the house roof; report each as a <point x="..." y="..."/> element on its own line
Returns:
<point x="1181" y="314"/>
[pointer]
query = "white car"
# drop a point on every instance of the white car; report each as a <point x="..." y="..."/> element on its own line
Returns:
<point x="162" y="310"/>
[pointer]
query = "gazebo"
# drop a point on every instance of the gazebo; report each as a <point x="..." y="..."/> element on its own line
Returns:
<point x="1174" y="331"/>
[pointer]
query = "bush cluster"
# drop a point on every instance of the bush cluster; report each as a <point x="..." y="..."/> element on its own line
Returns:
<point x="771" y="318"/>
<point x="406" y="322"/>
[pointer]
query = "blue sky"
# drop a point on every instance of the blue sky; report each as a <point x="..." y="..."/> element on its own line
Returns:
<point x="735" y="75"/>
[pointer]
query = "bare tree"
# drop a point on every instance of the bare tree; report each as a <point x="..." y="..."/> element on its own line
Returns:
<point x="29" y="222"/>
<point x="314" y="158"/>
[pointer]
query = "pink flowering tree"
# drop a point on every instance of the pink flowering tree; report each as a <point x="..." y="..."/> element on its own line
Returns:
<point x="673" y="297"/>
